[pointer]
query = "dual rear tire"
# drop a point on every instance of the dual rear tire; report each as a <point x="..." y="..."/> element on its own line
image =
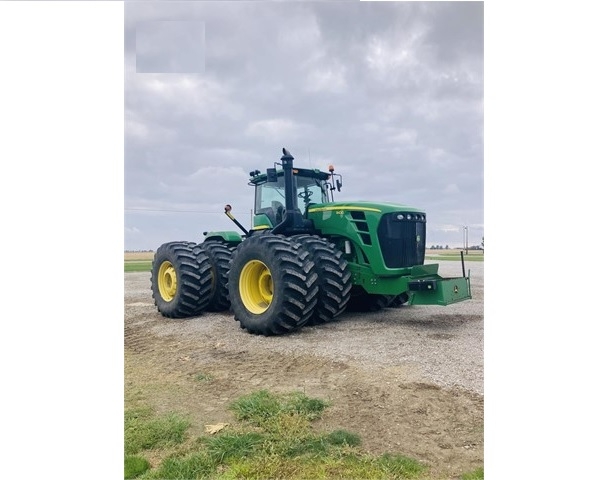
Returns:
<point x="181" y="280"/>
<point x="188" y="279"/>
<point x="220" y="259"/>
<point x="278" y="284"/>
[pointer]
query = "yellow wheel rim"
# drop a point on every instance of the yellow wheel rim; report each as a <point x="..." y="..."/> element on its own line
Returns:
<point x="167" y="281"/>
<point x="256" y="286"/>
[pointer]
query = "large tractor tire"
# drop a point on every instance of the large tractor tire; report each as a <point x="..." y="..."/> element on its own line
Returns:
<point x="334" y="277"/>
<point x="361" y="301"/>
<point x="272" y="285"/>
<point x="220" y="258"/>
<point x="181" y="280"/>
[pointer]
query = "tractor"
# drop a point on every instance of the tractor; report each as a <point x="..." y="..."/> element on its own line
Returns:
<point x="305" y="260"/>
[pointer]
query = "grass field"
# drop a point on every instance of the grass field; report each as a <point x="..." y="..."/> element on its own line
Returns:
<point x="138" y="256"/>
<point x="454" y="254"/>
<point x="142" y="261"/>
<point x="138" y="261"/>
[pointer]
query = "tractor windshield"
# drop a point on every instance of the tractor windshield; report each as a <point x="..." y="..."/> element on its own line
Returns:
<point x="272" y="195"/>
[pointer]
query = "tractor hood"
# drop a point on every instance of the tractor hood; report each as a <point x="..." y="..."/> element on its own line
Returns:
<point x="361" y="206"/>
<point x="385" y="236"/>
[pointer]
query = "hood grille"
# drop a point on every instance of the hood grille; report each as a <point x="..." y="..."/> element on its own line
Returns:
<point x="402" y="241"/>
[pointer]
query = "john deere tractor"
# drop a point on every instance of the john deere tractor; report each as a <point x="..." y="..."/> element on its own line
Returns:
<point x="305" y="260"/>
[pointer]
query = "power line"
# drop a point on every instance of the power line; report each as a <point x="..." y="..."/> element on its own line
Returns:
<point x="178" y="211"/>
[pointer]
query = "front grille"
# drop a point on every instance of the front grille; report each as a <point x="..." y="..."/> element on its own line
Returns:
<point x="402" y="237"/>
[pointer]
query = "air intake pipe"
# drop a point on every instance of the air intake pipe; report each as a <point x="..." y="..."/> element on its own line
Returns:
<point x="293" y="221"/>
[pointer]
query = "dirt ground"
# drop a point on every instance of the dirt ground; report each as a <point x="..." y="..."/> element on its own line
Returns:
<point x="198" y="366"/>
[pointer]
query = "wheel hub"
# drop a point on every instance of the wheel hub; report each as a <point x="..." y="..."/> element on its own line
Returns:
<point x="256" y="286"/>
<point x="167" y="281"/>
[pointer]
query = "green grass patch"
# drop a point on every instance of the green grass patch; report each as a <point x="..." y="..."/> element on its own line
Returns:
<point x="233" y="446"/>
<point x="342" y="437"/>
<point x="317" y="445"/>
<point x="399" y="466"/>
<point x="273" y="439"/>
<point x="135" y="466"/>
<point x="197" y="465"/>
<point x="312" y="446"/>
<point x="346" y="465"/>
<point x="257" y="408"/>
<point x="270" y="411"/>
<point x="143" y="431"/>
<point x="474" y="475"/>
<point x="138" y="265"/>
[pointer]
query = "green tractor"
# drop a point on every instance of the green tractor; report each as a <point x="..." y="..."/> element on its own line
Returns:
<point x="306" y="259"/>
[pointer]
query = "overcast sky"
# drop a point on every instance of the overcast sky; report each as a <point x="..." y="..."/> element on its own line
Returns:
<point x="390" y="93"/>
<point x="356" y="89"/>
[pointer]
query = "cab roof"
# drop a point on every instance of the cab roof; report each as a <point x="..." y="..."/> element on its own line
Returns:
<point x="299" y="172"/>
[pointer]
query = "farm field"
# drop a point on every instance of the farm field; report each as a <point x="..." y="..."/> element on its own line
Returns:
<point x="141" y="261"/>
<point x="407" y="380"/>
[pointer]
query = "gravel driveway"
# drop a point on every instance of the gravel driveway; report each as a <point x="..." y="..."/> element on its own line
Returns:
<point x="433" y="344"/>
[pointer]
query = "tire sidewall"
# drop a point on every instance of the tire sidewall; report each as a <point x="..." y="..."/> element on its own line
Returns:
<point x="193" y="280"/>
<point x="256" y="251"/>
<point x="219" y="273"/>
<point x="332" y="270"/>
<point x="164" y="253"/>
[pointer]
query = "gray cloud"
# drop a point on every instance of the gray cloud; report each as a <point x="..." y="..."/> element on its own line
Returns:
<point x="390" y="93"/>
<point x="170" y="46"/>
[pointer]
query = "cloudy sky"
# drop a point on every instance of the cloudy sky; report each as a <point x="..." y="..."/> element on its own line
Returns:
<point x="367" y="86"/>
<point x="390" y="93"/>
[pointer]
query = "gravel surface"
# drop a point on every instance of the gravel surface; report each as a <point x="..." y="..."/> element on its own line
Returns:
<point x="439" y="345"/>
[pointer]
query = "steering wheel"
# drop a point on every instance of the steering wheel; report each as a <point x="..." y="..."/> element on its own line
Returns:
<point x="306" y="195"/>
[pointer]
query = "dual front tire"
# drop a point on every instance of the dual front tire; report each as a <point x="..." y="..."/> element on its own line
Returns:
<point x="272" y="285"/>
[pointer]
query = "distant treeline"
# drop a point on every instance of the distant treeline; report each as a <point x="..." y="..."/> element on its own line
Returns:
<point x="447" y="247"/>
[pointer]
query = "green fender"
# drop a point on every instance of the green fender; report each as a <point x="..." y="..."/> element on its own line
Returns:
<point x="230" y="238"/>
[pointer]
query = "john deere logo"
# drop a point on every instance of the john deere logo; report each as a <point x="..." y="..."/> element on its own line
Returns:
<point x="455" y="289"/>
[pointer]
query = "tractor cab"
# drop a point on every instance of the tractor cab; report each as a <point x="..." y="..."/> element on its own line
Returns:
<point x="270" y="194"/>
<point x="270" y="204"/>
